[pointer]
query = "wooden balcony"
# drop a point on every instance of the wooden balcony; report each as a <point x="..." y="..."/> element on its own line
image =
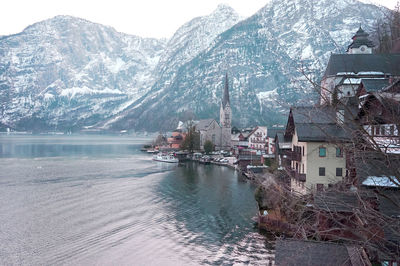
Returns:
<point x="293" y="174"/>
<point x="293" y="156"/>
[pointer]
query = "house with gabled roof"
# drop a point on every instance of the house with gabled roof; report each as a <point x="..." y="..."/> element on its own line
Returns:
<point x="317" y="155"/>
<point x="257" y="139"/>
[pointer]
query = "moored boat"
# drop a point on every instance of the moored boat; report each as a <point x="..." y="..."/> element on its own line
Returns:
<point x="166" y="158"/>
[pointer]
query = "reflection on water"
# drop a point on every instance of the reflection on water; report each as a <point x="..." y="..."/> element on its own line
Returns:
<point x="99" y="200"/>
<point x="51" y="146"/>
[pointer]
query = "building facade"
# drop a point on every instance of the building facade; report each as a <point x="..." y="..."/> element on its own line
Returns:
<point x="317" y="157"/>
<point x="258" y="139"/>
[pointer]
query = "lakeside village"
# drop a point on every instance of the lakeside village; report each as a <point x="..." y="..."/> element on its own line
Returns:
<point x="329" y="181"/>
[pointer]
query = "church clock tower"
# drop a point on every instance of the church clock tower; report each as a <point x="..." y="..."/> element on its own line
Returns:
<point x="225" y="118"/>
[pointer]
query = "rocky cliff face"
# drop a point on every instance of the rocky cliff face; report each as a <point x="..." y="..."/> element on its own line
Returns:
<point x="66" y="73"/>
<point x="70" y="73"/>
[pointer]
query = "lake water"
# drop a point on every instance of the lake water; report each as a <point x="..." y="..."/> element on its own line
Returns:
<point x="99" y="200"/>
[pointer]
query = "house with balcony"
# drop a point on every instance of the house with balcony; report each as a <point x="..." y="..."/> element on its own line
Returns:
<point x="317" y="157"/>
<point x="379" y="116"/>
<point x="257" y="139"/>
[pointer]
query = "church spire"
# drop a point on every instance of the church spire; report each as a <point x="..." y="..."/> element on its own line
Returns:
<point x="225" y="98"/>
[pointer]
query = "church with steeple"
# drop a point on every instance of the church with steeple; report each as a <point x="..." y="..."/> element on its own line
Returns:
<point x="218" y="133"/>
<point x="225" y="117"/>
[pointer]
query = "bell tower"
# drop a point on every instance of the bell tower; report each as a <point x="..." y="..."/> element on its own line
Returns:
<point x="225" y="117"/>
<point x="361" y="43"/>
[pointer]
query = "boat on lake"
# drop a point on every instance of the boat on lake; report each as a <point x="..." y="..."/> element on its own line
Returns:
<point x="166" y="158"/>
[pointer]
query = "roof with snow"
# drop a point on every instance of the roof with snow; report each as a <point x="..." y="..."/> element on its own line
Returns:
<point x="366" y="64"/>
<point x="381" y="181"/>
<point x="375" y="169"/>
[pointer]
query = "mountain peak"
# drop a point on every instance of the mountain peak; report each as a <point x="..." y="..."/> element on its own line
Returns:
<point x="224" y="9"/>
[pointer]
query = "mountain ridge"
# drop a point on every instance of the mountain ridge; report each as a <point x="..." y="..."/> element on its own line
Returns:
<point x="104" y="79"/>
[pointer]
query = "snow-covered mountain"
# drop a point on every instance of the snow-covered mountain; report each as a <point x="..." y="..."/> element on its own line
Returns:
<point x="188" y="41"/>
<point x="194" y="37"/>
<point x="66" y="73"/>
<point x="264" y="57"/>
<point x="69" y="73"/>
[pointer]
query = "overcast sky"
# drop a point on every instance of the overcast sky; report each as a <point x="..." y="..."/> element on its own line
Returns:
<point x="146" y="18"/>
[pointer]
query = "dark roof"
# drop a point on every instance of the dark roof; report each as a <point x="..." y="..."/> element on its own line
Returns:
<point x="359" y="39"/>
<point x="394" y="87"/>
<point x="225" y="99"/>
<point x="300" y="252"/>
<point x="360" y="34"/>
<point x="336" y="201"/>
<point x="350" y="106"/>
<point x="389" y="201"/>
<point x="318" y="123"/>
<point x="390" y="108"/>
<point x="271" y="132"/>
<point x="372" y="85"/>
<point x="389" y="205"/>
<point x="356" y="63"/>
<point x="376" y="164"/>
<point x="321" y="133"/>
<point x="204" y="124"/>
<point x="280" y="136"/>
<point x="314" y="114"/>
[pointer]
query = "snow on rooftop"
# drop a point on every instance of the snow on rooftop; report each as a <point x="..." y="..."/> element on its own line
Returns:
<point x="370" y="73"/>
<point x="352" y="81"/>
<point x="381" y="181"/>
